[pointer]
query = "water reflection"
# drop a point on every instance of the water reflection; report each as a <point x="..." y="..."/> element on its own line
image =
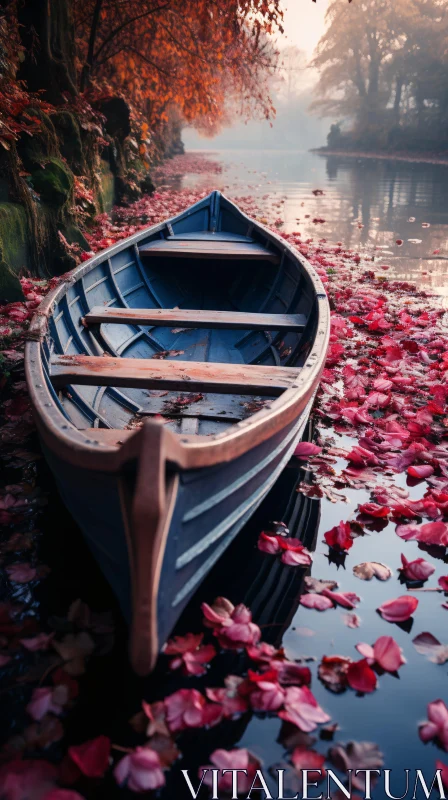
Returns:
<point x="272" y="591"/>
<point x="368" y="204"/>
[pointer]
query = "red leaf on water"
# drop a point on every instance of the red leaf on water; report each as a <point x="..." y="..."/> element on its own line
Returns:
<point x="339" y="537"/>
<point x="303" y="758"/>
<point x="439" y="764"/>
<point x="332" y="671"/>
<point x="374" y="510"/>
<point x="361" y="677"/>
<point x="92" y="757"/>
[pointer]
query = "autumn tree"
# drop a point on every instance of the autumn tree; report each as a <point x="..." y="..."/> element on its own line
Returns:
<point x="383" y="63"/>
<point x="195" y="54"/>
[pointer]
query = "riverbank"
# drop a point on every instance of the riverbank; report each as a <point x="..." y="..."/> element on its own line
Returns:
<point x="378" y="477"/>
<point x="398" y="156"/>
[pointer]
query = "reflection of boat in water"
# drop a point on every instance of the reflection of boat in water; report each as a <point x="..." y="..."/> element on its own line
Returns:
<point x="269" y="588"/>
<point x="245" y="575"/>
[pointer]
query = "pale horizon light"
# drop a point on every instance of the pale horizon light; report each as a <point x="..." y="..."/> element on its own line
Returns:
<point x="304" y="23"/>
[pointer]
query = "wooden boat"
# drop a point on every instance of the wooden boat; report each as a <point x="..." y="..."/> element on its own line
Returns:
<point x="171" y="377"/>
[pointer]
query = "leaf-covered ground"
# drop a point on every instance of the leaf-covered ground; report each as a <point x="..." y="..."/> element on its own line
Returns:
<point x="372" y="619"/>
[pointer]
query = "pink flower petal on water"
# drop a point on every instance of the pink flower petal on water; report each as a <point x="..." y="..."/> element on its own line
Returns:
<point x="427" y="644"/>
<point x="437" y="726"/>
<point x="420" y="471"/>
<point x="21" y="573"/>
<point x="374" y="510"/>
<point x="352" y="620"/>
<point x="317" y="601"/>
<point x="344" y="599"/>
<point x="366" y="650"/>
<point x="294" y="558"/>
<point x="302" y="709"/>
<point x="43" y="701"/>
<point x="388" y="654"/>
<point x="306" y="449"/>
<point x="443" y="772"/>
<point x="268" y="543"/>
<point x="140" y="770"/>
<point x="218" y="613"/>
<point x="417" y="570"/>
<point x="400" y="609"/>
<point x="40" y="642"/>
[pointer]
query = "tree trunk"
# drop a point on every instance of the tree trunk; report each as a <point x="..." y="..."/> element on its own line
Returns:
<point x="397" y="101"/>
<point x="47" y="33"/>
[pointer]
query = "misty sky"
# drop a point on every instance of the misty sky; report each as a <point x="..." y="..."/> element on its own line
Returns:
<point x="304" y="23"/>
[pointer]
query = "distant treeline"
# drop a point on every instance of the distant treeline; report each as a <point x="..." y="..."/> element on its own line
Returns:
<point x="384" y="75"/>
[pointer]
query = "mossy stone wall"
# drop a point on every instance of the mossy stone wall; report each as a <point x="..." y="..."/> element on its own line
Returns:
<point x="14" y="249"/>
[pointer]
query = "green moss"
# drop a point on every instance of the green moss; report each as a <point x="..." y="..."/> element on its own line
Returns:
<point x="70" y="143"/>
<point x="73" y="234"/>
<point x="106" y="197"/>
<point x="53" y="181"/>
<point x="14" y="250"/>
<point x="35" y="149"/>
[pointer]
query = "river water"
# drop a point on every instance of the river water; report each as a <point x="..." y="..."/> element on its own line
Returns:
<point x="367" y="204"/>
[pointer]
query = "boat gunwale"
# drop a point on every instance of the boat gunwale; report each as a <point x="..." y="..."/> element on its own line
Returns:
<point x="79" y="448"/>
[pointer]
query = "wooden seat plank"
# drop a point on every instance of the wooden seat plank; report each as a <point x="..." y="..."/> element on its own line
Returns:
<point x="209" y="236"/>
<point x="187" y="376"/>
<point x="190" y="318"/>
<point x="178" y="248"/>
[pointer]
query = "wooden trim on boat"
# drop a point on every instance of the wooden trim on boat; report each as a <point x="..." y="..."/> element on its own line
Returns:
<point x="147" y="513"/>
<point x="81" y="448"/>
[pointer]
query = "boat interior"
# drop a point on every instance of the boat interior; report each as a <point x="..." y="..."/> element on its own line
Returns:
<point x="202" y="320"/>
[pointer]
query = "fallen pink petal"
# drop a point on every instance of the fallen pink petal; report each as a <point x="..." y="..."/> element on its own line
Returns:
<point x="398" y="610"/>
